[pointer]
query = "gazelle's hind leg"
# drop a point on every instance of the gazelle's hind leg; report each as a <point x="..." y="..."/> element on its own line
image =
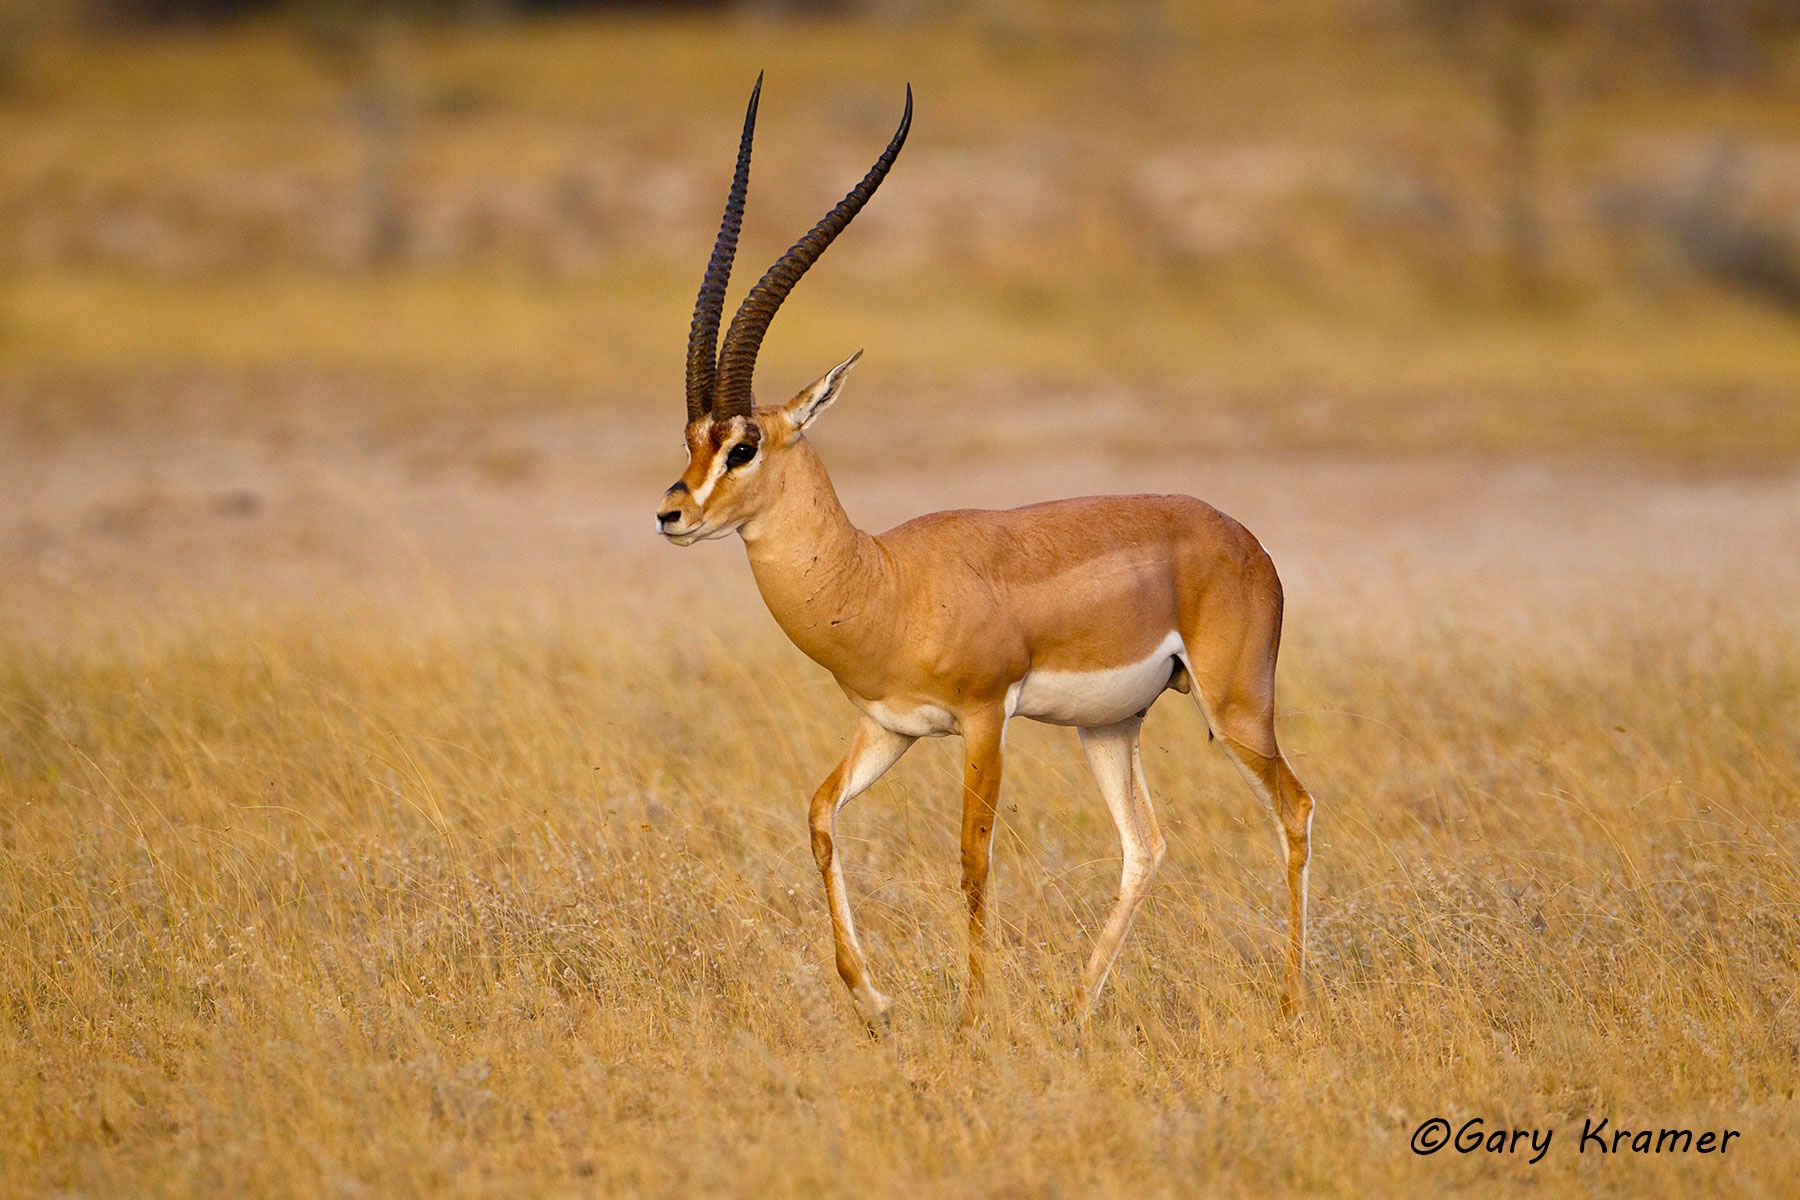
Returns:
<point x="1233" y="675"/>
<point x="1271" y="778"/>
<point x="1112" y="754"/>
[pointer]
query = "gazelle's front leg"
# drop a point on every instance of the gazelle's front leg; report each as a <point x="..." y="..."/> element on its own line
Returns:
<point x="982" y="734"/>
<point x="872" y="751"/>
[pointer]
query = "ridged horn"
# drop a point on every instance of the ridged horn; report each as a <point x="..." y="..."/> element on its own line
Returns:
<point x="703" y="333"/>
<point x="737" y="360"/>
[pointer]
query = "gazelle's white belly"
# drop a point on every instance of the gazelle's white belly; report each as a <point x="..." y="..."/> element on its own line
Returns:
<point x="1097" y="697"/>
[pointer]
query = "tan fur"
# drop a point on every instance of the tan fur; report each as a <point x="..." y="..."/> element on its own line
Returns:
<point x="938" y="625"/>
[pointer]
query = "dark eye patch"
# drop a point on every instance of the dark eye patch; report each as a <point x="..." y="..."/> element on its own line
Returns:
<point x="740" y="454"/>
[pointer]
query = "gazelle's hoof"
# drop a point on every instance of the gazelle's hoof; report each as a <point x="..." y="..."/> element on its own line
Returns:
<point x="970" y="1020"/>
<point x="874" y="1008"/>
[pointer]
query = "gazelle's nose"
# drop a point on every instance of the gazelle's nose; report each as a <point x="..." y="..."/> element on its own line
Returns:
<point x="667" y="518"/>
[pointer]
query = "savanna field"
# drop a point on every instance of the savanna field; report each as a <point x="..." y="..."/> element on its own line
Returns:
<point x="384" y="811"/>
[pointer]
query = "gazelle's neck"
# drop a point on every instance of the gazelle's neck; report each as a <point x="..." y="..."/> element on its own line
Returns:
<point x="828" y="584"/>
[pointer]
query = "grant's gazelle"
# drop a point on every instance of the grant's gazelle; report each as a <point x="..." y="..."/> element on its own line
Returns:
<point x="1076" y="612"/>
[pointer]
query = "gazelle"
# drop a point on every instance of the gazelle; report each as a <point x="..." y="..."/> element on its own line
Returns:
<point x="1076" y="612"/>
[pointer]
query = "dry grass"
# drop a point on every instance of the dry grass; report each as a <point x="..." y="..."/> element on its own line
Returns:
<point x="361" y="904"/>
<point x="1217" y="370"/>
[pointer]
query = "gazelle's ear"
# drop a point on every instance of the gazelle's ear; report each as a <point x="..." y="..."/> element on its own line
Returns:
<point x="816" y="398"/>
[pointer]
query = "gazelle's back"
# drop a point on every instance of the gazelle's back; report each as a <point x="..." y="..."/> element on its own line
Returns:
<point x="1049" y="539"/>
<point x="1133" y="568"/>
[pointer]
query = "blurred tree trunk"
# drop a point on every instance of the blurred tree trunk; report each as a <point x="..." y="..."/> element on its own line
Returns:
<point x="487" y="11"/>
<point x="1717" y="36"/>
<point x="19" y="29"/>
<point x="1519" y="105"/>
<point x="21" y="24"/>
<point x="362" y="54"/>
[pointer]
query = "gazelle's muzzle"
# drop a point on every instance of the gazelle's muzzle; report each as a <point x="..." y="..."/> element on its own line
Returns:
<point x="677" y="518"/>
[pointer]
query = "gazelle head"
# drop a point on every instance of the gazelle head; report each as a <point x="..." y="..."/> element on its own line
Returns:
<point x="735" y="449"/>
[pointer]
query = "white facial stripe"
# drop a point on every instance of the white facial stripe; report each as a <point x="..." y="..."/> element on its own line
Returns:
<point x="713" y="473"/>
<point x="721" y="462"/>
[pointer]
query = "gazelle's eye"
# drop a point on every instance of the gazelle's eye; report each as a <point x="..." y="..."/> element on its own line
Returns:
<point x="740" y="454"/>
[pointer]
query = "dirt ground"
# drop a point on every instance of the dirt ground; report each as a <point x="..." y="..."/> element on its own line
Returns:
<point x="556" y="503"/>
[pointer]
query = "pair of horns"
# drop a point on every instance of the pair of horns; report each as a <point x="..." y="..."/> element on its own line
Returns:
<point x="722" y="386"/>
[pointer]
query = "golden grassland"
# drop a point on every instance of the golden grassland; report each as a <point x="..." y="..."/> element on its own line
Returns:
<point x="521" y="903"/>
<point x="1705" y="389"/>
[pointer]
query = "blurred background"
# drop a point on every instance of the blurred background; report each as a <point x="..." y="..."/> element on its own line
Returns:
<point x="386" y="810"/>
<point x="286" y="286"/>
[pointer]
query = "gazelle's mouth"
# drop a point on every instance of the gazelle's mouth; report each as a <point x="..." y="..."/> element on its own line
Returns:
<point x="703" y="531"/>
